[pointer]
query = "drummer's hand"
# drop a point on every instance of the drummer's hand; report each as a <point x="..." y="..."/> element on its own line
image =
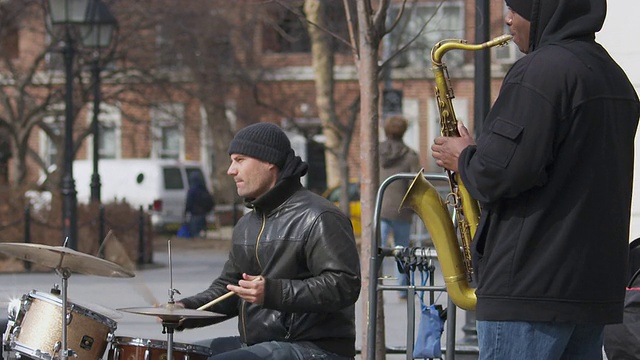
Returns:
<point x="250" y="289"/>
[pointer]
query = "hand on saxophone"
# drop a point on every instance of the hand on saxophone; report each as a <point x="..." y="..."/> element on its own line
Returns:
<point x="446" y="150"/>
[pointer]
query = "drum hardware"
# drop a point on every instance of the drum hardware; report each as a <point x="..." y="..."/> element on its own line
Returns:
<point x="170" y="314"/>
<point x="65" y="261"/>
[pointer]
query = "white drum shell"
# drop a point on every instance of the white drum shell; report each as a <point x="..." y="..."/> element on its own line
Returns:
<point x="37" y="329"/>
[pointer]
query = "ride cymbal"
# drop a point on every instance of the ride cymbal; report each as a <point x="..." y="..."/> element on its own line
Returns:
<point x="58" y="257"/>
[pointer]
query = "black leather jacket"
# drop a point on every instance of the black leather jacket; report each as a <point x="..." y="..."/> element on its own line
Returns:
<point x="305" y="249"/>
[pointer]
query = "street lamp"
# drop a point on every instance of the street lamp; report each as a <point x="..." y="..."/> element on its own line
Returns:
<point x="68" y="13"/>
<point x="97" y="34"/>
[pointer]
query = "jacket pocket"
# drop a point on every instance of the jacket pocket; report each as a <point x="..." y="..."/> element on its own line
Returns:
<point x="502" y="142"/>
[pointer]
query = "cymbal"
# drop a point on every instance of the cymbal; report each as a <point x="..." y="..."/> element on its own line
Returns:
<point x="171" y="312"/>
<point x="59" y="257"/>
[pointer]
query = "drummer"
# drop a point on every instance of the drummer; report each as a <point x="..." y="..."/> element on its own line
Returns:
<point x="293" y="263"/>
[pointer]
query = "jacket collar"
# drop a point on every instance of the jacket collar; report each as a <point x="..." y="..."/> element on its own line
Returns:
<point x="277" y="195"/>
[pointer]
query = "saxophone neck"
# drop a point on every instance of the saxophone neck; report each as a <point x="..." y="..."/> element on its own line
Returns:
<point x="442" y="47"/>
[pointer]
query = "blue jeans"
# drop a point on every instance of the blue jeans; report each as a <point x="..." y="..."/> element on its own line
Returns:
<point x="197" y="223"/>
<point x="401" y="233"/>
<point x="507" y="340"/>
<point x="230" y="348"/>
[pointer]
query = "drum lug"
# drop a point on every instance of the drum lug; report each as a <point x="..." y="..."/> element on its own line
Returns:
<point x="15" y="332"/>
<point x="44" y="355"/>
<point x="69" y="318"/>
<point x="147" y="354"/>
<point x="26" y="304"/>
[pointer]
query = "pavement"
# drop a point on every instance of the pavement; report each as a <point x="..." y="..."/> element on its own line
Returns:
<point x="193" y="264"/>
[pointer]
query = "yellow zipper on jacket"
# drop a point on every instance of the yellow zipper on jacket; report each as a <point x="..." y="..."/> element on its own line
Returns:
<point x="243" y="312"/>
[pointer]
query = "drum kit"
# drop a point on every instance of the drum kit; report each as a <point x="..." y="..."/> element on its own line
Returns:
<point x="35" y="329"/>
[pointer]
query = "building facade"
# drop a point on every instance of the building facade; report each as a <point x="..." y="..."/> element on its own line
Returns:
<point x="177" y="84"/>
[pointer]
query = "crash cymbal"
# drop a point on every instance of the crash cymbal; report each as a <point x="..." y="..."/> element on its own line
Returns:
<point x="171" y="312"/>
<point x="59" y="257"/>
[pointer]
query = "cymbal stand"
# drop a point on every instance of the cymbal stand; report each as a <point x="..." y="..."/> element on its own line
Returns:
<point x="64" y="273"/>
<point x="170" y="324"/>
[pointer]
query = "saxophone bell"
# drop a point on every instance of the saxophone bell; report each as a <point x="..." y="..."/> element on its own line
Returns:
<point x="423" y="198"/>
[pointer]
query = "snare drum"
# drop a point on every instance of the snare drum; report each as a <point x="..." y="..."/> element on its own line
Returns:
<point x="127" y="348"/>
<point x="37" y="329"/>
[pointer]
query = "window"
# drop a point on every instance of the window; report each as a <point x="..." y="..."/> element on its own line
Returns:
<point x="285" y="32"/>
<point x="170" y="140"/>
<point x="168" y="57"/>
<point x="167" y="120"/>
<point x="51" y="150"/>
<point x="9" y="35"/>
<point x="54" y="58"/>
<point x="445" y="22"/>
<point x="109" y="132"/>
<point x="107" y="141"/>
<point x="54" y="123"/>
<point x="173" y="178"/>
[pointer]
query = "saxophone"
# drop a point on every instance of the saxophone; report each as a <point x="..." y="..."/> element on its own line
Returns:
<point x="423" y="198"/>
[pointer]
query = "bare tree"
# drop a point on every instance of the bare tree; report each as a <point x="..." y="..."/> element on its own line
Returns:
<point x="209" y="40"/>
<point x="338" y="132"/>
<point x="366" y="44"/>
<point x="27" y="93"/>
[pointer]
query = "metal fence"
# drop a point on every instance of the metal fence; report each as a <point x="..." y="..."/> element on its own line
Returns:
<point x="135" y="233"/>
<point x="423" y="256"/>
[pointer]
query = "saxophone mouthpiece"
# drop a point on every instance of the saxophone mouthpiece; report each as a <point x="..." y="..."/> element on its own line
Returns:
<point x="501" y="40"/>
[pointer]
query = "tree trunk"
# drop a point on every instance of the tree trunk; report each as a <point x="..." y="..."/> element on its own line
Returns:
<point x="224" y="189"/>
<point x="323" y="61"/>
<point x="367" y="63"/>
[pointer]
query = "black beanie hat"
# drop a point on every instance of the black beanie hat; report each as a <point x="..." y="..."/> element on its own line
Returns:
<point x="524" y="8"/>
<point x="262" y="141"/>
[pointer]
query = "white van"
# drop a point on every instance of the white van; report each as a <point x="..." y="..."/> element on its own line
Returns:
<point x="158" y="185"/>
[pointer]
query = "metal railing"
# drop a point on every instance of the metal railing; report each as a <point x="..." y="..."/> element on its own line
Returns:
<point x="139" y="224"/>
<point x="378" y="253"/>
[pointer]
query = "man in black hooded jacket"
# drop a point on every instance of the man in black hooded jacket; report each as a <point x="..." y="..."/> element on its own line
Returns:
<point x="293" y="264"/>
<point x="553" y="171"/>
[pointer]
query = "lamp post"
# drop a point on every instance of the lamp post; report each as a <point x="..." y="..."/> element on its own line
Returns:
<point x="97" y="34"/>
<point x="68" y="13"/>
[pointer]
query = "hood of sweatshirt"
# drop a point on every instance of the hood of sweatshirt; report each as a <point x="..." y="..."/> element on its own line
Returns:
<point x="392" y="151"/>
<point x="556" y="21"/>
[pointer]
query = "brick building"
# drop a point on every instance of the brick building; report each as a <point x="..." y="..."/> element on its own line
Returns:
<point x="156" y="104"/>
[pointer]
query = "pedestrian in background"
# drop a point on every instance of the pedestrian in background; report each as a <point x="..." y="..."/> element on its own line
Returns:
<point x="396" y="157"/>
<point x="198" y="204"/>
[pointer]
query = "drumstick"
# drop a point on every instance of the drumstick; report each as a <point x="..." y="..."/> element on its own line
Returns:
<point x="211" y="303"/>
<point x="223" y="297"/>
<point x="218" y="299"/>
